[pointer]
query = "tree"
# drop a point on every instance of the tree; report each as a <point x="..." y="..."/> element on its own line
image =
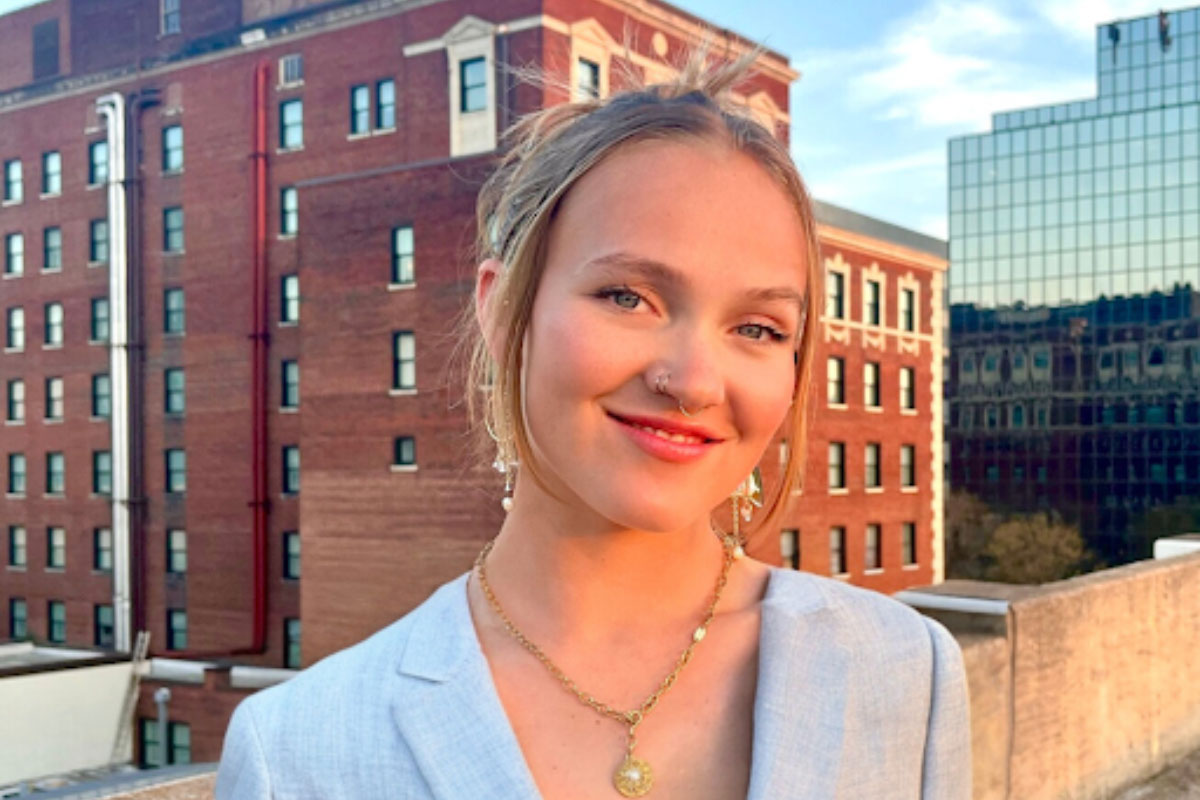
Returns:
<point x="1034" y="548"/>
<point x="969" y="523"/>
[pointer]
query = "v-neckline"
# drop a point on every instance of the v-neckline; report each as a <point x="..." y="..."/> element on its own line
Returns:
<point x="506" y="736"/>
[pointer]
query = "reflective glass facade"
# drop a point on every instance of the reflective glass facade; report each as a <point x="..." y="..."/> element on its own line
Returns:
<point x="1074" y="318"/>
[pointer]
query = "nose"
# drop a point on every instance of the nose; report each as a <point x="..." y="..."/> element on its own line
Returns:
<point x="689" y="371"/>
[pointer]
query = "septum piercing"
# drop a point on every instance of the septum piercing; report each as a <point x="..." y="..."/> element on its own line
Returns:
<point x="660" y="387"/>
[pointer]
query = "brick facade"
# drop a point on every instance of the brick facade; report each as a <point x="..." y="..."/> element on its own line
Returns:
<point x="376" y="538"/>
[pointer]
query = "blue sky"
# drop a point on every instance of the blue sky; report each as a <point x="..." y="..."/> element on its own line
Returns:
<point x="884" y="83"/>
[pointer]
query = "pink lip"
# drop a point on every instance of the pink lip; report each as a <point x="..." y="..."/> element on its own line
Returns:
<point x="676" y="452"/>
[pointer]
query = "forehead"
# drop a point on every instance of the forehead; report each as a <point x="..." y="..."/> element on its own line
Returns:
<point x="700" y="206"/>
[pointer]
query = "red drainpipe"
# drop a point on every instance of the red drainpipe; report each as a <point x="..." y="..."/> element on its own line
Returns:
<point x="260" y="338"/>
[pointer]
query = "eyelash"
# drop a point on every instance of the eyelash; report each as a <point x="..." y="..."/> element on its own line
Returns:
<point x="610" y="293"/>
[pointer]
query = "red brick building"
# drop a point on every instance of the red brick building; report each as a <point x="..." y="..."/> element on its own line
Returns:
<point x="236" y="247"/>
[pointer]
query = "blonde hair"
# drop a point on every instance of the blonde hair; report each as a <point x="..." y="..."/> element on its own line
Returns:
<point x="549" y="151"/>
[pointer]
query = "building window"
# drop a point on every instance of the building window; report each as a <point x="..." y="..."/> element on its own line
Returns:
<point x="99" y="322"/>
<point x="289" y="307"/>
<point x="291" y="555"/>
<point x="991" y="417"/>
<point x="404" y="360"/>
<point x="908" y="381"/>
<point x="52" y="325"/>
<point x="18" y="547"/>
<point x="54" y="399"/>
<point x="835" y="297"/>
<point x="871" y="395"/>
<point x="291" y="643"/>
<point x="873" y="559"/>
<point x="171" y="17"/>
<point x="871" y="461"/>
<point x="385" y="104"/>
<point x="172" y="148"/>
<point x="102" y="620"/>
<point x="360" y="109"/>
<point x="837" y="465"/>
<point x="588" y="86"/>
<point x="14" y="330"/>
<point x="173" y="312"/>
<point x="291" y="469"/>
<point x="174" y="391"/>
<point x="1017" y="416"/>
<point x="177" y="551"/>
<point x="98" y="241"/>
<point x="56" y="548"/>
<point x="837" y="550"/>
<point x="51" y="173"/>
<point x="291" y="124"/>
<point x="150" y="743"/>
<point x="402" y="255"/>
<point x="14" y="254"/>
<point x="289" y="212"/>
<point x="101" y="396"/>
<point x="56" y="473"/>
<point x="173" y="230"/>
<point x="177" y="629"/>
<point x="56" y="615"/>
<point x="15" y="406"/>
<point x="836" y="376"/>
<point x="908" y="310"/>
<point x="18" y="619"/>
<point x="473" y="80"/>
<point x="180" y="734"/>
<point x="102" y="550"/>
<point x="872" y="303"/>
<point x="176" y="460"/>
<point x="992" y="473"/>
<point x="908" y="538"/>
<point x="16" y="473"/>
<point x="291" y="69"/>
<point x="101" y="472"/>
<point x="404" y="451"/>
<point x="97" y="163"/>
<point x="789" y="548"/>
<point x="290" y="392"/>
<point x="52" y="249"/>
<point x="13" y="185"/>
<point x="908" y="465"/>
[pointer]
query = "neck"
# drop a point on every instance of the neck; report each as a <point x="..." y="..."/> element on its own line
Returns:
<point x="573" y="579"/>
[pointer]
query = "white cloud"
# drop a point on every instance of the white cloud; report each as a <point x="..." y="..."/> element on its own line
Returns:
<point x="952" y="65"/>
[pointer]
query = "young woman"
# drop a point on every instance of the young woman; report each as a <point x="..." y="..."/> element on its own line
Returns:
<point x="643" y="333"/>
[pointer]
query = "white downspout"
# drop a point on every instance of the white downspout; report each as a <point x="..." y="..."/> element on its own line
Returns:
<point x="111" y="108"/>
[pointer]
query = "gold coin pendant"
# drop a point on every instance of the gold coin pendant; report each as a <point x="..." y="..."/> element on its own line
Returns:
<point x="633" y="778"/>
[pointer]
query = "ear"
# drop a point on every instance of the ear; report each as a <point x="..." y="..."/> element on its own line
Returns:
<point x="487" y="279"/>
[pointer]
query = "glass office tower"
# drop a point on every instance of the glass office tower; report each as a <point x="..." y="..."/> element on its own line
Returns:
<point x="1074" y="374"/>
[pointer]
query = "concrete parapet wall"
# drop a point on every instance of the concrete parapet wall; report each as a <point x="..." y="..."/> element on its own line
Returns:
<point x="1092" y="687"/>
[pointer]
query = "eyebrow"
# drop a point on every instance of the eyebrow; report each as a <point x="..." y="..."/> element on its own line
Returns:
<point x="664" y="274"/>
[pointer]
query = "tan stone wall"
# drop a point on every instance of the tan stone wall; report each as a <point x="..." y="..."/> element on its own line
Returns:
<point x="1101" y="671"/>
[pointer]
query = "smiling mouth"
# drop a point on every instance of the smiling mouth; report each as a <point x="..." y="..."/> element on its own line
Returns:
<point x="666" y="435"/>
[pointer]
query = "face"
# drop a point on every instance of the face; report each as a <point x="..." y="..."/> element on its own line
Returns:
<point x="676" y="266"/>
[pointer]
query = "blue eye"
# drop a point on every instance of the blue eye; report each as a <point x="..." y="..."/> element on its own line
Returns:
<point x="622" y="296"/>
<point x="758" y="332"/>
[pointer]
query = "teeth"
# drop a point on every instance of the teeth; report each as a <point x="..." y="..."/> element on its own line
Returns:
<point x="678" y="438"/>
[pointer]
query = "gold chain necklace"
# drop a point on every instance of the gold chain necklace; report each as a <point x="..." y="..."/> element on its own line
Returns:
<point x="633" y="778"/>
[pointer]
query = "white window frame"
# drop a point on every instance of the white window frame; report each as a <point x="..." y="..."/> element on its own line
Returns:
<point x="291" y="70"/>
<point x="474" y="131"/>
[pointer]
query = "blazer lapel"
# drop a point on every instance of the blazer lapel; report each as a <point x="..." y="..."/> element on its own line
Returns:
<point x="448" y="711"/>
<point x="799" y="706"/>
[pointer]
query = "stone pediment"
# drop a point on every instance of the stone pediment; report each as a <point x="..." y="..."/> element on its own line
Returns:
<point x="468" y="29"/>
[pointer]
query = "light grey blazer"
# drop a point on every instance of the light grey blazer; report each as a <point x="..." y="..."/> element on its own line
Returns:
<point x="859" y="698"/>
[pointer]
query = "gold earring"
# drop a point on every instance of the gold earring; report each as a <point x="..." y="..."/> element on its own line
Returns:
<point x="508" y="469"/>
<point x="745" y="497"/>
